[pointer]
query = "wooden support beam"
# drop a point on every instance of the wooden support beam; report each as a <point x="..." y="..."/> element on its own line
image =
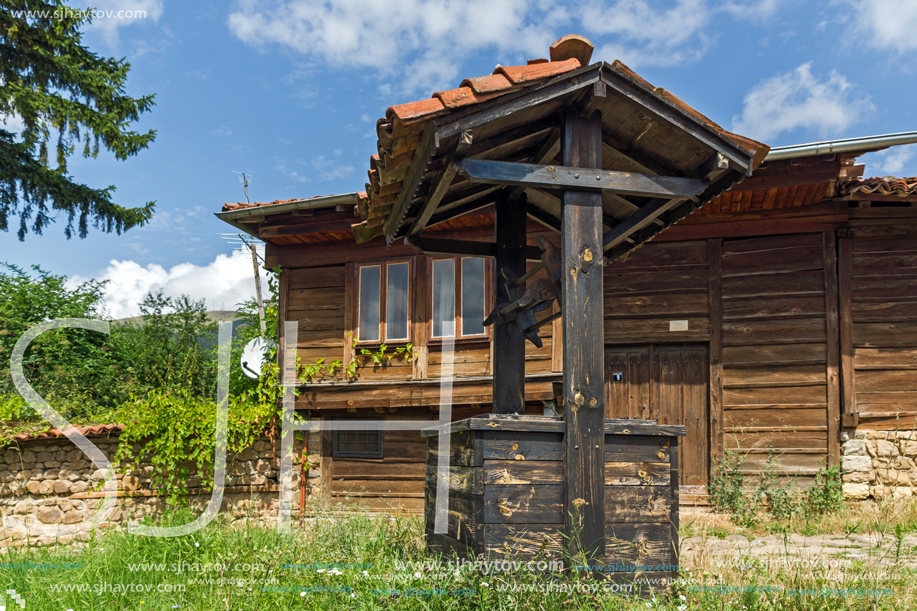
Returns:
<point x="556" y="177"/>
<point x="833" y="348"/>
<point x="452" y="247"/>
<point x="509" y="342"/>
<point x="273" y="231"/>
<point x="637" y="221"/>
<point x="583" y="355"/>
<point x="422" y="157"/>
<point x="442" y="185"/>
<point x="715" y="303"/>
<point x="439" y="246"/>
<point x="544" y="218"/>
<point x="470" y="203"/>
<point x="546" y="198"/>
<point x="550" y="149"/>
<point x="845" y="326"/>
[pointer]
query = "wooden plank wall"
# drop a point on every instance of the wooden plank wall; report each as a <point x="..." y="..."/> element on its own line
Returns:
<point x="316" y="300"/>
<point x="658" y="284"/>
<point x="323" y="301"/>
<point x="775" y="392"/>
<point x="884" y="330"/>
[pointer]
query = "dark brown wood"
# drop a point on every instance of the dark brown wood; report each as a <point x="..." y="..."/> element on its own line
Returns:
<point x="845" y="325"/>
<point x="715" y="297"/>
<point x="576" y="177"/>
<point x="465" y="247"/>
<point x="326" y="467"/>
<point x="509" y="341"/>
<point x="442" y="184"/>
<point x="676" y="479"/>
<point x="584" y="400"/>
<point x="422" y="157"/>
<point x="637" y="221"/>
<point x="833" y="347"/>
<point x="509" y="504"/>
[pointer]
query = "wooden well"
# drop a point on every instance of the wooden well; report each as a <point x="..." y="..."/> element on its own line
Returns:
<point x="505" y="481"/>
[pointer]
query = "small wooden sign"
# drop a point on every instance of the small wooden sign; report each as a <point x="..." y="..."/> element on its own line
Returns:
<point x="678" y="325"/>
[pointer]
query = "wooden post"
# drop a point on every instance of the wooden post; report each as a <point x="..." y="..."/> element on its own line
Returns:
<point x="509" y="343"/>
<point x="833" y="346"/>
<point x="845" y="330"/>
<point x="583" y="337"/>
<point x="715" y="296"/>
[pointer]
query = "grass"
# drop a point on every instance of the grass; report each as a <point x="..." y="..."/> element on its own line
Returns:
<point x="253" y="567"/>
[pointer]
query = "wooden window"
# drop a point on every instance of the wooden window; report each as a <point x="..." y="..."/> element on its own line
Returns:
<point x="357" y="444"/>
<point x="383" y="305"/>
<point x="459" y="297"/>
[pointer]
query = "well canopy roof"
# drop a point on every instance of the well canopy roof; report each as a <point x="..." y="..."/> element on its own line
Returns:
<point x="514" y="115"/>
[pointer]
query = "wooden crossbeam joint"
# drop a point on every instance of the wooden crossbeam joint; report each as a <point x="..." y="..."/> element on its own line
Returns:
<point x="589" y="179"/>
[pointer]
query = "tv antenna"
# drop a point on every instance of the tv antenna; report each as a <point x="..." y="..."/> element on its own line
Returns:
<point x="237" y="239"/>
<point x="245" y="179"/>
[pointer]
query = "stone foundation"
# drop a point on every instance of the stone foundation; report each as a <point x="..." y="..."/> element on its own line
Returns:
<point x="50" y="491"/>
<point x="879" y="464"/>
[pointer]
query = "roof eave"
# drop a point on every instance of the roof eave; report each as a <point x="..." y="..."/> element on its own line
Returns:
<point x="233" y="217"/>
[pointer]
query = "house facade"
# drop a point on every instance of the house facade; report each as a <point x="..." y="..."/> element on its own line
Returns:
<point x="773" y="320"/>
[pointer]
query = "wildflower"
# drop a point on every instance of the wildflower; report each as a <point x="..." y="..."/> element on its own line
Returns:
<point x="485" y="584"/>
<point x="302" y="593"/>
<point x="320" y="571"/>
<point x="417" y="574"/>
<point x="682" y="597"/>
<point x="365" y="573"/>
<point x="682" y="607"/>
<point x="353" y="595"/>
<point x="196" y="544"/>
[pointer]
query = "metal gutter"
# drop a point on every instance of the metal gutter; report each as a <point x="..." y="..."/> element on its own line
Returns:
<point x="846" y="145"/>
<point x="233" y="216"/>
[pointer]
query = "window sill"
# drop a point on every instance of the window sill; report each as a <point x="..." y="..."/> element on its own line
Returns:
<point x="459" y="341"/>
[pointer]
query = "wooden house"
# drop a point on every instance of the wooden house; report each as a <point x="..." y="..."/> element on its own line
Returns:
<point x="772" y="320"/>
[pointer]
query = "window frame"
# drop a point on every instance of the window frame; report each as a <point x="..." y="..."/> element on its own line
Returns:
<point x="488" y="300"/>
<point x="336" y="453"/>
<point x="383" y="302"/>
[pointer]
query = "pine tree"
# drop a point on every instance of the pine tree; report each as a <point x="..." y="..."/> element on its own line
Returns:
<point x="67" y="97"/>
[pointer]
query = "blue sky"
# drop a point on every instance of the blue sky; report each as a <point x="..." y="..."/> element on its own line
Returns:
<point x="290" y="91"/>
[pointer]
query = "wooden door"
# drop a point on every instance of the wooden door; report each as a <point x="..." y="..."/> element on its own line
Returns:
<point x="668" y="383"/>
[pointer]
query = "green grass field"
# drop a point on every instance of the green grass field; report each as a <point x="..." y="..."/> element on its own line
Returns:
<point x="354" y="561"/>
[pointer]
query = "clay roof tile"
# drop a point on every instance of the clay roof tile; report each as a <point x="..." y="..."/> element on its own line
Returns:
<point x="487" y="84"/>
<point x="518" y="75"/>
<point x="415" y="111"/>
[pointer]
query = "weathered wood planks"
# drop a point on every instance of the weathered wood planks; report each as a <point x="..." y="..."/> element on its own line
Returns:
<point x="506" y="492"/>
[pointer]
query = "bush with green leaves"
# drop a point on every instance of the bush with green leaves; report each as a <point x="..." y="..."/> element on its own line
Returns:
<point x="164" y="350"/>
<point x="63" y="362"/>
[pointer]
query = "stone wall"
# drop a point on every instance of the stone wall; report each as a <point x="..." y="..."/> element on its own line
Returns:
<point x="879" y="464"/>
<point x="50" y="491"/>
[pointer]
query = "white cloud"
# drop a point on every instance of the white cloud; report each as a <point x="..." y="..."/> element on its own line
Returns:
<point x="648" y="35"/>
<point x="415" y="44"/>
<point x="223" y="283"/>
<point x="799" y="100"/>
<point x="109" y="15"/>
<point x="419" y="46"/>
<point x="318" y="169"/>
<point x="890" y="24"/>
<point x="753" y="10"/>
<point x="896" y="161"/>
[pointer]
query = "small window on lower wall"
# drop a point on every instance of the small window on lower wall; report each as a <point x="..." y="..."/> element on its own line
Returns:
<point x="358" y="444"/>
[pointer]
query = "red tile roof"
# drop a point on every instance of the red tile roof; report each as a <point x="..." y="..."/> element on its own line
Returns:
<point x="99" y="429"/>
<point x="228" y="207"/>
<point x="400" y="130"/>
<point x="886" y="185"/>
